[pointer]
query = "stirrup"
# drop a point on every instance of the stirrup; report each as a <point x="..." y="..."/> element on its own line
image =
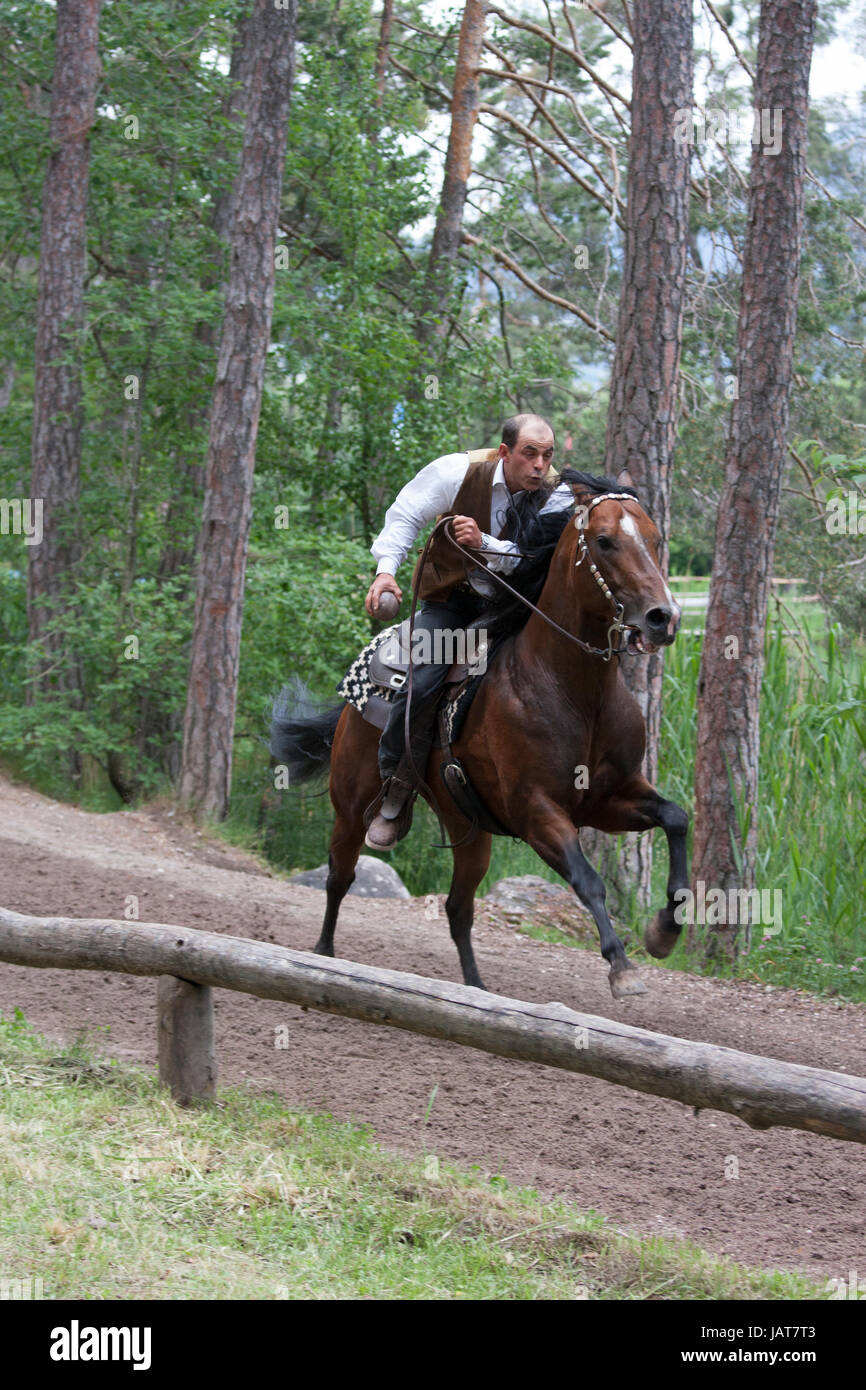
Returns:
<point x="397" y="793"/>
<point x="392" y="811"/>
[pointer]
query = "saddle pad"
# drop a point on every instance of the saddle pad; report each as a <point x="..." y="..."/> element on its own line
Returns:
<point x="454" y="712"/>
<point x="356" y="687"/>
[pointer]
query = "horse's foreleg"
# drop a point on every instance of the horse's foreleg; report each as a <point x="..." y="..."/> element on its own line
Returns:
<point x="640" y="807"/>
<point x="470" y="866"/>
<point x="555" y="840"/>
<point x="663" y="932"/>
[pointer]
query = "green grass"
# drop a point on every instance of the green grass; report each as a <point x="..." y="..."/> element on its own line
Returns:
<point x="109" y="1191"/>
<point x="811" y="828"/>
<point x="552" y="935"/>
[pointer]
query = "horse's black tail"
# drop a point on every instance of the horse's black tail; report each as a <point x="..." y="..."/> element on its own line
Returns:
<point x="302" y="731"/>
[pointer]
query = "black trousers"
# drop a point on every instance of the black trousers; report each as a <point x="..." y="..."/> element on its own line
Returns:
<point x="440" y="621"/>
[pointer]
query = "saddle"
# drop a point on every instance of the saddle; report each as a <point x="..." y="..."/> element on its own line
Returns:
<point x="389" y="671"/>
<point x="380" y="672"/>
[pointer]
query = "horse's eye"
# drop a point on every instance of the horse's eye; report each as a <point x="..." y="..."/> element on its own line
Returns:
<point x="605" y="543"/>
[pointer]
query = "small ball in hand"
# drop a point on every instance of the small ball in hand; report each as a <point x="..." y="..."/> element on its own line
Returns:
<point x="388" y="606"/>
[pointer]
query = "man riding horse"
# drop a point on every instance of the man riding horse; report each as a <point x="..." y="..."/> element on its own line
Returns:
<point x="491" y="496"/>
<point x="554" y="704"/>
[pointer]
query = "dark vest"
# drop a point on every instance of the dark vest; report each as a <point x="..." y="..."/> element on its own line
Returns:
<point x="445" y="567"/>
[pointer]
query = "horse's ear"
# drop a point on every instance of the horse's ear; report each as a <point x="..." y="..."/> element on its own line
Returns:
<point x="624" y="479"/>
<point x="582" y="493"/>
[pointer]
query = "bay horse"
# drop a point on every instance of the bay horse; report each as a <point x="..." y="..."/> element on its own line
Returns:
<point x="553" y="740"/>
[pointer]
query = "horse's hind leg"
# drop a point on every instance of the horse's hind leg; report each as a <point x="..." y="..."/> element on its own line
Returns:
<point x="470" y="866"/>
<point x="353" y="785"/>
<point x="346" y="842"/>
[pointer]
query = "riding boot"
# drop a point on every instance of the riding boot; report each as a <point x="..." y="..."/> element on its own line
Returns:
<point x="394" y="815"/>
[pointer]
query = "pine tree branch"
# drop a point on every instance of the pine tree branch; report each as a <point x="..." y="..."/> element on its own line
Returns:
<point x="560" y="47"/>
<point x="529" y="136"/>
<point x="525" y="83"/>
<point x="428" y="86"/>
<point x="750" y="71"/>
<point x="605" y="19"/>
<point x="510" y="264"/>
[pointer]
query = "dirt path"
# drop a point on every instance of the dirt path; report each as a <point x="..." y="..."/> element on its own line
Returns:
<point x="650" y="1164"/>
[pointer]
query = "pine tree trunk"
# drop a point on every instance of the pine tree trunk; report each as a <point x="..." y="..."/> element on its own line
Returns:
<point x="382" y="49"/>
<point x="458" y="164"/>
<point x="156" y="732"/>
<point x="58" y="396"/>
<point x="726" y="772"/>
<point x="178" y="552"/>
<point x="212" y="694"/>
<point x="642" y="414"/>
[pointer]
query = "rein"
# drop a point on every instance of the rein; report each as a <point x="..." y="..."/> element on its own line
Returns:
<point x="422" y="786"/>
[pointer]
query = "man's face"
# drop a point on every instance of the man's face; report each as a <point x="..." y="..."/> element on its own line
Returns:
<point x="527" y="463"/>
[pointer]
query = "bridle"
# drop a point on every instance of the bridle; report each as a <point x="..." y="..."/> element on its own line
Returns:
<point x="581" y="517"/>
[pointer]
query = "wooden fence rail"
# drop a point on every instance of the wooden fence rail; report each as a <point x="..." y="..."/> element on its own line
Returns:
<point x="759" y="1090"/>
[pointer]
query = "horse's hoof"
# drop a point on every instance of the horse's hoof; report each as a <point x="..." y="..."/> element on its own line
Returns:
<point x="625" y="982"/>
<point x="658" y="938"/>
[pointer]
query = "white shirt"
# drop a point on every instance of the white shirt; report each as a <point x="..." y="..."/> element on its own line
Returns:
<point x="432" y="492"/>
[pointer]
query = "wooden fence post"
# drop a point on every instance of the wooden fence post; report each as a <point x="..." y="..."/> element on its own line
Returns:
<point x="187" y="1060"/>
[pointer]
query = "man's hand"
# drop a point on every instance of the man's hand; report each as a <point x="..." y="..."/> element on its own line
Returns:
<point x="383" y="583"/>
<point x="466" y="532"/>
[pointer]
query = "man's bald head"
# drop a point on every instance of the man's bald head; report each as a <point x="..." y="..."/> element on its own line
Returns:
<point x="526" y="451"/>
<point x="514" y="427"/>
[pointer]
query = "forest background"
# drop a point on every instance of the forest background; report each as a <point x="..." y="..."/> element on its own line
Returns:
<point x="365" y="383"/>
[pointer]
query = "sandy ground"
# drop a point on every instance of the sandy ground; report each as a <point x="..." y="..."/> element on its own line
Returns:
<point x="649" y="1164"/>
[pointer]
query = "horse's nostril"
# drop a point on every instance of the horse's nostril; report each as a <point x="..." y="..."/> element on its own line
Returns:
<point x="659" y="617"/>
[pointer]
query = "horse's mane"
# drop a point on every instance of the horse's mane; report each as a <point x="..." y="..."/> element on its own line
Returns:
<point x="505" y="616"/>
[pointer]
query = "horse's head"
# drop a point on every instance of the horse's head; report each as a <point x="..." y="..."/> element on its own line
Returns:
<point x="614" y="549"/>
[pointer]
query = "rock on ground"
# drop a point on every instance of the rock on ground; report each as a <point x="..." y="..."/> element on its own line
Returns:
<point x="530" y="898"/>
<point x="373" y="879"/>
